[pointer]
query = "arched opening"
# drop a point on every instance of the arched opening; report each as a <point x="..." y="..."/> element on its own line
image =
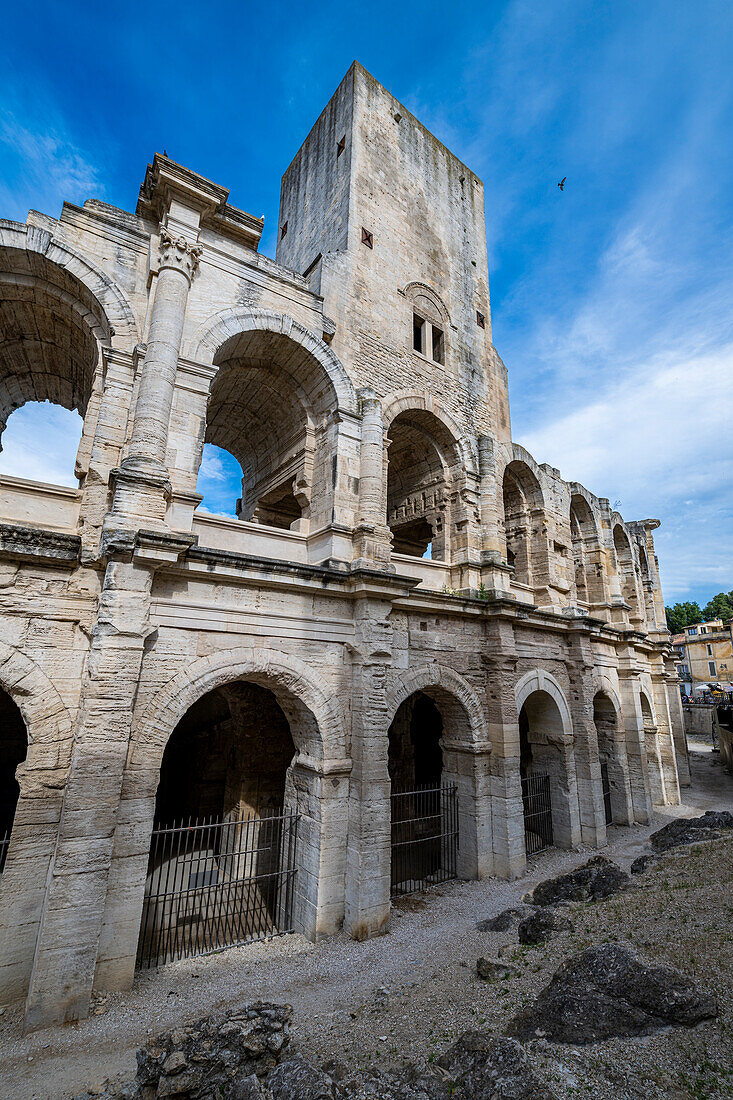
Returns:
<point x="547" y="791"/>
<point x="13" y="751"/>
<point x="651" y="742"/>
<point x="523" y="522"/>
<point x="270" y="407"/>
<point x="587" y="558"/>
<point x="219" y="481"/>
<point x="626" y="571"/>
<point x="40" y="443"/>
<point x="611" y="753"/>
<point x="423" y="460"/>
<point x="647" y="584"/>
<point x="221" y="857"/>
<point x="50" y="329"/>
<point x="423" y="812"/>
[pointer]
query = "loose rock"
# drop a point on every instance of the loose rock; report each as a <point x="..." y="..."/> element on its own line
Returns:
<point x="598" y="878"/>
<point x="487" y="1067"/>
<point x="607" y="991"/>
<point x="297" y="1079"/>
<point x="505" y="920"/>
<point x="541" y="925"/>
<point x="690" y="830"/>
<point x="491" y="970"/>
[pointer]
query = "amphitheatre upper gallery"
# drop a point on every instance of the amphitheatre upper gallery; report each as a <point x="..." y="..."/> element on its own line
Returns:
<point x="397" y="596"/>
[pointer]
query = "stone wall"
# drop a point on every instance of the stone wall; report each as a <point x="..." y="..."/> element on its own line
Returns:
<point x="289" y="640"/>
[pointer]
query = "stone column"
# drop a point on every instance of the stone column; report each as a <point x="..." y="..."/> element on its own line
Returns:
<point x="178" y="260"/>
<point x="368" y="863"/>
<point x="372" y="536"/>
<point x="141" y="483"/>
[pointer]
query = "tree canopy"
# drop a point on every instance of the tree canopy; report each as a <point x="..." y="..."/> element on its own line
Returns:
<point x="680" y="615"/>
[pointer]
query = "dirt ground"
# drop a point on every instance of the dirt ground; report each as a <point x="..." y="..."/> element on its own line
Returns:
<point x="408" y="994"/>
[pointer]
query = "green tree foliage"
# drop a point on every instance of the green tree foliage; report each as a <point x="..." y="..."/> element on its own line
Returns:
<point x="720" y="607"/>
<point x="681" y="615"/>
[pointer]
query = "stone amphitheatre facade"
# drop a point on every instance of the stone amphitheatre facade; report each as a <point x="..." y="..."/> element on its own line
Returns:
<point x="404" y="598"/>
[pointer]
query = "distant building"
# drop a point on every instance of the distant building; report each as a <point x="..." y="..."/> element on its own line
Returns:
<point x="705" y="656"/>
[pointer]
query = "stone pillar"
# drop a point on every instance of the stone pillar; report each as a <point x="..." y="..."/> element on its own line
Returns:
<point x="73" y="909"/>
<point x="368" y="864"/>
<point x="507" y="814"/>
<point x="469" y="767"/>
<point x="372" y="536"/>
<point x="677" y="723"/>
<point x="580" y="667"/>
<point x="636" y="751"/>
<point x="665" y="741"/>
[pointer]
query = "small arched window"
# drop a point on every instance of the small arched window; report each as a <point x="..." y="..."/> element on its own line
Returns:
<point x="430" y="323"/>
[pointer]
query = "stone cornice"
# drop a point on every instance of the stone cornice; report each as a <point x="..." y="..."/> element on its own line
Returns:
<point x="35" y="544"/>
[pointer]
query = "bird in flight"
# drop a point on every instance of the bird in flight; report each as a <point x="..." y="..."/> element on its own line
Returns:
<point x="561" y="184"/>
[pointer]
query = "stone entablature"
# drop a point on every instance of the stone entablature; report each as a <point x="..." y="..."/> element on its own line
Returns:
<point x="537" y="626"/>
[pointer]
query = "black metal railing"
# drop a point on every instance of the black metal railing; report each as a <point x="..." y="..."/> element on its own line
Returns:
<point x="606" y="784"/>
<point x="424" y="837"/>
<point x="4" y="845"/>
<point x="537" y="805"/>
<point x="214" y="883"/>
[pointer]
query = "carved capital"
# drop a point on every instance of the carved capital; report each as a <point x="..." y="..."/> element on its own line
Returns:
<point x="179" y="253"/>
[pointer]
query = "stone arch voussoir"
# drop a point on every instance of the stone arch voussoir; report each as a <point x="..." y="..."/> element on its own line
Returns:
<point x="116" y="320"/>
<point x="49" y="727"/>
<point x="213" y="333"/>
<point x="445" y="680"/>
<point x="413" y="401"/>
<point x="290" y="679"/>
<point x="538" y="680"/>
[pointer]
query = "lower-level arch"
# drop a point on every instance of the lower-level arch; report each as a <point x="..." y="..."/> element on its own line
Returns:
<point x="39" y="771"/>
<point x="546" y="763"/>
<point x="437" y="741"/>
<point x="246" y="749"/>
<point x="613" y="756"/>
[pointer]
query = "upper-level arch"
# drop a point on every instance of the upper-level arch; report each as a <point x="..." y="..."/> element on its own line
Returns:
<point x="274" y="404"/>
<point x="206" y="345"/>
<point x="523" y="511"/>
<point x="56" y="311"/>
<point x="425" y="474"/>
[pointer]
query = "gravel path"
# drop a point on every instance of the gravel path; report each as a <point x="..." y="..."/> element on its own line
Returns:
<point x="408" y="993"/>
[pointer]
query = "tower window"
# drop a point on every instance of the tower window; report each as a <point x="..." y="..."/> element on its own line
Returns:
<point x="283" y="229"/>
<point x="711" y="667"/>
<point x="438" y="345"/>
<point x="480" y="320"/>
<point x="340" y="146"/>
<point x="367" y="238"/>
<point x="418" y="334"/>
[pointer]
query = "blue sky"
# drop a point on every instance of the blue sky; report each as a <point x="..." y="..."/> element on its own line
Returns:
<point x="612" y="301"/>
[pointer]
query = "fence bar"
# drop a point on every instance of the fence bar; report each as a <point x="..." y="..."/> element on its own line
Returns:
<point x="537" y="805"/>
<point x="214" y="883"/>
<point x="424" y="837"/>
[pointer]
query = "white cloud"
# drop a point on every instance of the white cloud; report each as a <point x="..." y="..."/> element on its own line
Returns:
<point x="43" y="167"/>
<point x="40" y="443"/>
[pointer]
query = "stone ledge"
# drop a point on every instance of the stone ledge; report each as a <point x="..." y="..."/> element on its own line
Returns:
<point x="38" y="545"/>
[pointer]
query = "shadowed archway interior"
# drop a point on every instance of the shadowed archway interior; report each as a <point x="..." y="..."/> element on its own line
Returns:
<point x="13" y="751"/>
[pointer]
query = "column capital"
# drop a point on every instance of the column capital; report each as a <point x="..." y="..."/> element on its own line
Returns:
<point x="177" y="252"/>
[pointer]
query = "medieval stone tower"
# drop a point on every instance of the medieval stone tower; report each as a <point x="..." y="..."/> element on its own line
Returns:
<point x="245" y="721"/>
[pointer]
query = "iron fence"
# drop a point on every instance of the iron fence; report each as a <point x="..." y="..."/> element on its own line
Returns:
<point x="606" y="784"/>
<point x="424" y="837"/>
<point x="537" y="805"/>
<point x="217" y="882"/>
